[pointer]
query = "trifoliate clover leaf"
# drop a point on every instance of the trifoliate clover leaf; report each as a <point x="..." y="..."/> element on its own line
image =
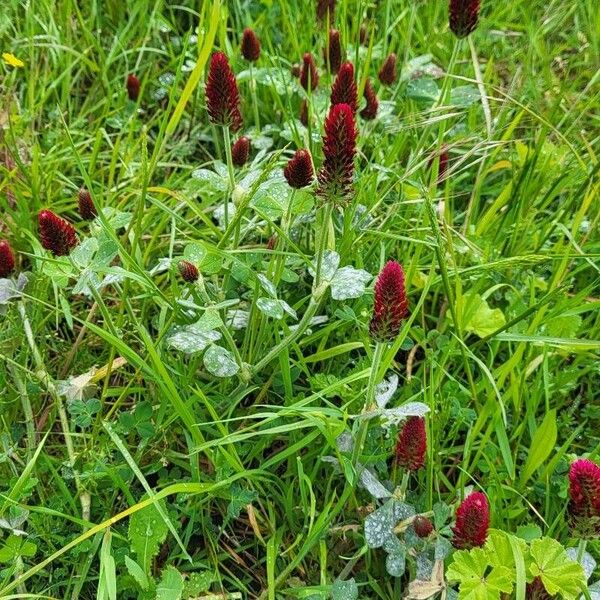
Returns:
<point x="220" y="362"/>
<point x="349" y="282"/>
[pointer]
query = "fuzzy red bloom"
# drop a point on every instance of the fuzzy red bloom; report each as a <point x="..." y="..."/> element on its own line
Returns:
<point x="411" y="445"/>
<point x="584" y="498"/>
<point x="339" y="148"/>
<point x="464" y="15"/>
<point x="387" y="73"/>
<point x="390" y="306"/>
<point x="422" y="526"/>
<point x="537" y="591"/>
<point x="343" y="90"/>
<point x="304" y="113"/>
<point x="334" y="57"/>
<point x="133" y="87"/>
<point x="324" y="7"/>
<point x="188" y="271"/>
<point x="240" y="151"/>
<point x="87" y="209"/>
<point x="250" y="45"/>
<point x="369" y="112"/>
<point x="56" y="234"/>
<point x="222" y="97"/>
<point x="299" y="170"/>
<point x="472" y="522"/>
<point x="7" y="259"/>
<point x="309" y="76"/>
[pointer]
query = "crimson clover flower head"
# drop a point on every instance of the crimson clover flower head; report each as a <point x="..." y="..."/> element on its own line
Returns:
<point x="390" y="305"/>
<point x="339" y="148"/>
<point x="325" y="7"/>
<point x="369" y="112"/>
<point x="87" y="209"/>
<point x="464" y="15"/>
<point x="133" y="87"/>
<point x="222" y="97"/>
<point x="240" y="151"/>
<point x="472" y="522"/>
<point x="188" y="271"/>
<point x="56" y="234"/>
<point x="422" y="526"/>
<point x="304" y="113"/>
<point x="299" y="170"/>
<point x="250" y="46"/>
<point x="343" y="90"/>
<point x="387" y="73"/>
<point x="411" y="445"/>
<point x="7" y="259"/>
<point x="584" y="498"/>
<point x="309" y="76"/>
<point x="334" y="56"/>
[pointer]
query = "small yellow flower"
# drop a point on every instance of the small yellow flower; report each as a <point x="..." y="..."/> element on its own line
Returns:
<point x="12" y="60"/>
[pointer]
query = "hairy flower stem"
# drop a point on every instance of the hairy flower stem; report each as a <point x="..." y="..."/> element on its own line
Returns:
<point x="363" y="429"/>
<point x="286" y="223"/>
<point x="481" y="87"/>
<point x="254" y="99"/>
<point x="45" y="379"/>
<point x="231" y="187"/>
<point x="322" y="243"/>
<point x="581" y="550"/>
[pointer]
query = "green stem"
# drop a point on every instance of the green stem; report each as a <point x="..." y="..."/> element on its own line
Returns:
<point x="481" y="87"/>
<point x="581" y="550"/>
<point x="322" y="242"/>
<point x="231" y="187"/>
<point x="285" y="229"/>
<point x="361" y="436"/>
<point x="254" y="100"/>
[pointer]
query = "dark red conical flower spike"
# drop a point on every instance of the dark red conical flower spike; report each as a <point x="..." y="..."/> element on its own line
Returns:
<point x="309" y="76"/>
<point x="464" y="15"/>
<point x="339" y="148"/>
<point x="56" y="234"/>
<point x="411" y="445"/>
<point x="369" y="112"/>
<point x="250" y="45"/>
<point x="133" y="87"/>
<point x="222" y="97"/>
<point x="584" y="498"/>
<point x="334" y="56"/>
<point x="390" y="306"/>
<point x="325" y="7"/>
<point x="343" y="90"/>
<point x="240" y="151"/>
<point x="188" y="271"/>
<point x="387" y="73"/>
<point x="422" y="526"/>
<point x="87" y="209"/>
<point x="7" y="259"/>
<point x="299" y="170"/>
<point x="472" y="522"/>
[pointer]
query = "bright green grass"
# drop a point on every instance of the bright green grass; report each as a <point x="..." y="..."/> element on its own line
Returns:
<point x="516" y="223"/>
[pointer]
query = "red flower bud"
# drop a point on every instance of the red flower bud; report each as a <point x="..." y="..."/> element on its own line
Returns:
<point x="339" y="148"/>
<point x="343" y="90"/>
<point x="464" y="15"/>
<point x="422" y="526"/>
<point x="87" y="210"/>
<point x="222" y="98"/>
<point x="304" y="113"/>
<point x="7" y="259"/>
<point x="334" y="56"/>
<point x="188" y="271"/>
<point x="472" y="522"/>
<point x="584" y="495"/>
<point x="240" y="151"/>
<point x="411" y="445"/>
<point x="370" y="110"/>
<point x="442" y="165"/>
<point x="133" y="87"/>
<point x="387" y="73"/>
<point x="324" y="8"/>
<point x="362" y="35"/>
<point x="309" y="76"/>
<point x="56" y="234"/>
<point x="250" y="45"/>
<point x="390" y="306"/>
<point x="299" y="170"/>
